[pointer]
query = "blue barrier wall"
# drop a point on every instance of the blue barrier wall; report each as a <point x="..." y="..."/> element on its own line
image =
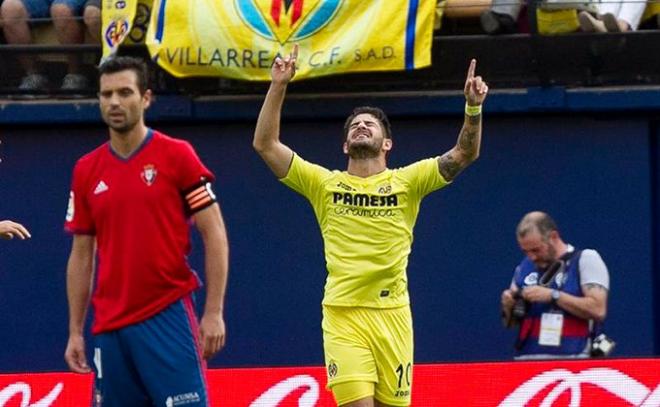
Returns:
<point x="593" y="174"/>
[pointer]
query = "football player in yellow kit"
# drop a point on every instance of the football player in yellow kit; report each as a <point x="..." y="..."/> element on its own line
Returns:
<point x="366" y="215"/>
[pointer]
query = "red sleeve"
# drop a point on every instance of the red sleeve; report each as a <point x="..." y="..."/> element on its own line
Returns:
<point x="191" y="170"/>
<point x="78" y="218"/>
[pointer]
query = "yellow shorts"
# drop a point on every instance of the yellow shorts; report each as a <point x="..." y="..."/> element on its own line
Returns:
<point x="369" y="345"/>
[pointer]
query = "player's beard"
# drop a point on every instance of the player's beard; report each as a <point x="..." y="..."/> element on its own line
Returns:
<point x="124" y="127"/>
<point x="362" y="150"/>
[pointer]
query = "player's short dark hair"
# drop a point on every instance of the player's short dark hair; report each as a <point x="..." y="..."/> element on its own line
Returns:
<point x="375" y="112"/>
<point x="116" y="64"/>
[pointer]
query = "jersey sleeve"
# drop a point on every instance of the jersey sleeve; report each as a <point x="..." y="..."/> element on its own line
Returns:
<point x="304" y="177"/>
<point x="424" y="177"/>
<point x="194" y="180"/>
<point x="78" y="218"/>
<point x="191" y="169"/>
<point x="593" y="269"/>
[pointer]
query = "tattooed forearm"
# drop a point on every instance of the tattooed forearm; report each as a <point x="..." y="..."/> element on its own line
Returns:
<point x="466" y="139"/>
<point x="474" y="120"/>
<point x="448" y="166"/>
<point x="470" y="136"/>
<point x="466" y="150"/>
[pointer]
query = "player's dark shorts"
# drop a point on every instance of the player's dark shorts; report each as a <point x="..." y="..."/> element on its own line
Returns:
<point x="157" y="362"/>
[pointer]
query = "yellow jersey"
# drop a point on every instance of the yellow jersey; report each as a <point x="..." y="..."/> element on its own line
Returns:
<point x="367" y="227"/>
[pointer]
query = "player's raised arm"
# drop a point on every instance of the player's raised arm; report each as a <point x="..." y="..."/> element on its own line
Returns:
<point x="267" y="133"/>
<point x="468" y="144"/>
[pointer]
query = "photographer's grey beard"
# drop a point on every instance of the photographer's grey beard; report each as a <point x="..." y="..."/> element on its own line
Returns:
<point x="552" y="257"/>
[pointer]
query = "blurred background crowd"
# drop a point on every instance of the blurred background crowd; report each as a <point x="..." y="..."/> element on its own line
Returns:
<point x="51" y="46"/>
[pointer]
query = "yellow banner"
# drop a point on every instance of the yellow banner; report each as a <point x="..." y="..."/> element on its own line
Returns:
<point x="117" y="20"/>
<point x="240" y="38"/>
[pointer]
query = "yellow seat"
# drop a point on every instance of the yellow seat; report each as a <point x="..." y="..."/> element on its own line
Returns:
<point x="553" y="22"/>
<point x="652" y="10"/>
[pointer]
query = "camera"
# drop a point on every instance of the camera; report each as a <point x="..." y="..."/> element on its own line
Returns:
<point x="520" y="306"/>
<point x="602" y="345"/>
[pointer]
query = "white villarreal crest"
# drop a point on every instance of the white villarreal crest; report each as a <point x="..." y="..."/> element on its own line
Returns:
<point x="149" y="174"/>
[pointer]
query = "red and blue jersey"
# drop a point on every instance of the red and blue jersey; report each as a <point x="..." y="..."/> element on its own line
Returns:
<point x="138" y="208"/>
<point x="576" y="332"/>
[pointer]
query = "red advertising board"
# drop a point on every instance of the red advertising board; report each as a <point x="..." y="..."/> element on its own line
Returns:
<point x="45" y="389"/>
<point x="603" y="382"/>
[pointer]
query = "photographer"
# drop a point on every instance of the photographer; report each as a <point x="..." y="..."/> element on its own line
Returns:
<point x="558" y="295"/>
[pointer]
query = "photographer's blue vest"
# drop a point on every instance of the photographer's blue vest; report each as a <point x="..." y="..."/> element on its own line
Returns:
<point x="575" y="331"/>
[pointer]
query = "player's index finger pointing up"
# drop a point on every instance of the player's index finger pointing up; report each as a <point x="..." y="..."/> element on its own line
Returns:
<point x="472" y="68"/>
<point x="294" y="53"/>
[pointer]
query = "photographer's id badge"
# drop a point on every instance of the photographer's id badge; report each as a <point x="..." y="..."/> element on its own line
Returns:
<point x="551" y="324"/>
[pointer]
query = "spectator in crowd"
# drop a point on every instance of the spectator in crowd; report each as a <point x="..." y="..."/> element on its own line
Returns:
<point x="92" y="18"/>
<point x="132" y="201"/>
<point x="501" y="17"/>
<point x="613" y="16"/>
<point x="17" y="15"/>
<point x="10" y="229"/>
<point x="558" y="295"/>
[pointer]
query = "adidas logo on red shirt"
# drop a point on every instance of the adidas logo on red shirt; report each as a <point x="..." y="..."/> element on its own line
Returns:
<point x="100" y="187"/>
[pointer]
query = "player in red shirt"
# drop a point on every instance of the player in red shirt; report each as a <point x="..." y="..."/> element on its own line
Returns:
<point x="131" y="201"/>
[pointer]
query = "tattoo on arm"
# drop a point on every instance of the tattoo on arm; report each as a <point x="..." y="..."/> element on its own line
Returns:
<point x="467" y="139"/>
<point x="474" y="120"/>
<point x="448" y="166"/>
<point x="467" y="149"/>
